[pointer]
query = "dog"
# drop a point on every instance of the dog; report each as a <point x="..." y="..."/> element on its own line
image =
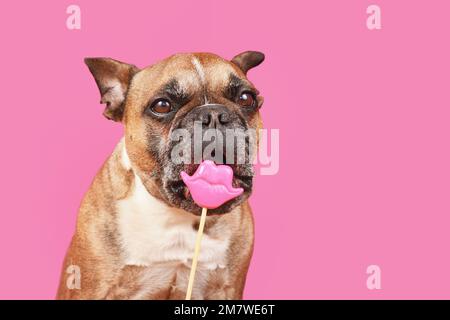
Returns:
<point x="137" y="223"/>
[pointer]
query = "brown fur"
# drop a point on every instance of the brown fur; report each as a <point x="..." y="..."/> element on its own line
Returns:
<point x="95" y="250"/>
<point x="96" y="246"/>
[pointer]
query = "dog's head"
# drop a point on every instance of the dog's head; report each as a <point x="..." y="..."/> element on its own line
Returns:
<point x="163" y="105"/>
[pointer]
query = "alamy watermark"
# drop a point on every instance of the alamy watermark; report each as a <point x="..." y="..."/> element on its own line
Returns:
<point x="373" y="281"/>
<point x="73" y="281"/>
<point x="229" y="146"/>
<point x="73" y="21"/>
<point x="373" y="21"/>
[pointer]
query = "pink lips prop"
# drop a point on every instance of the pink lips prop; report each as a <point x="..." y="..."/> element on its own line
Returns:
<point x="210" y="186"/>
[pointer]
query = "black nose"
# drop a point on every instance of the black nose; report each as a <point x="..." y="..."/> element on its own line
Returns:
<point x="214" y="115"/>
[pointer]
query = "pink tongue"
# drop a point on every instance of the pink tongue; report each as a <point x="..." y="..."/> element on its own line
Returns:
<point x="210" y="186"/>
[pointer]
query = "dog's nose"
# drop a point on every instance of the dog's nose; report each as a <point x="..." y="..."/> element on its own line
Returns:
<point x="214" y="115"/>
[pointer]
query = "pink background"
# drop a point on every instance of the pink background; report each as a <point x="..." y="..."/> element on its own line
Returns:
<point x="363" y="118"/>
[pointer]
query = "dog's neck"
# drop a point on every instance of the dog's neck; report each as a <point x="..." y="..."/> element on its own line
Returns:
<point x="138" y="185"/>
<point x="152" y="231"/>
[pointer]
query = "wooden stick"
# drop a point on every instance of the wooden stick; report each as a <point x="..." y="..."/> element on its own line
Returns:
<point x="196" y="254"/>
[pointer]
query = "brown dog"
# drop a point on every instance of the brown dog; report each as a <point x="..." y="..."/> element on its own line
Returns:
<point x="137" y="223"/>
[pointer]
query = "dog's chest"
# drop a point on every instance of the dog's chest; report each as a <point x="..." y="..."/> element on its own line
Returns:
<point x="152" y="232"/>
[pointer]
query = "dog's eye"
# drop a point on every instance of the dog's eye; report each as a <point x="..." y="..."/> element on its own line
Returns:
<point x="161" y="106"/>
<point x="247" y="99"/>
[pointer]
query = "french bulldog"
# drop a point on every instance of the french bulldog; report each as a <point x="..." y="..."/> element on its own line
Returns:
<point x="137" y="223"/>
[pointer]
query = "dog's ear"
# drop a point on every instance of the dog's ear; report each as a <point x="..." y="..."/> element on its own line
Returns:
<point x="248" y="59"/>
<point x="113" y="79"/>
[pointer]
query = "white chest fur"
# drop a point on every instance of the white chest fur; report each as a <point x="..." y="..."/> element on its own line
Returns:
<point x="152" y="232"/>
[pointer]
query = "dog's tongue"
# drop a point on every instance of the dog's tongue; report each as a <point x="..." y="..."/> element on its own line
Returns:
<point x="210" y="186"/>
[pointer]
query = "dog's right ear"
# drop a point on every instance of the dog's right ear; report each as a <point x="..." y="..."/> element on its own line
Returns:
<point x="248" y="60"/>
<point x="113" y="79"/>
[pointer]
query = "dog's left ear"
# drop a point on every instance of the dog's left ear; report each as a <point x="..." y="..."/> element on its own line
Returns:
<point x="113" y="79"/>
<point x="248" y="59"/>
